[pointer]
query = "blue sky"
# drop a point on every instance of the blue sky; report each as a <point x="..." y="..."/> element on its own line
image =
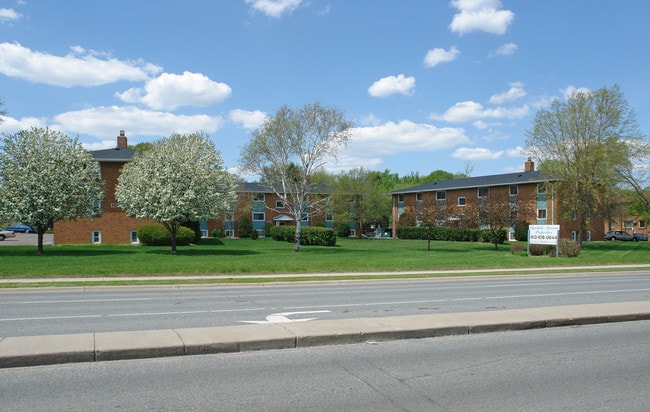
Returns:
<point x="429" y="85"/>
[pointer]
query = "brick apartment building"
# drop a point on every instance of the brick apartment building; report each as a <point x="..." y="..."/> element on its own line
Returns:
<point x="527" y="191"/>
<point x="113" y="226"/>
<point x="256" y="201"/>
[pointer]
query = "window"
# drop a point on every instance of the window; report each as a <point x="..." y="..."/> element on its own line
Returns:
<point x="400" y="198"/>
<point x="258" y="216"/>
<point x="204" y="232"/>
<point x="329" y="217"/>
<point x="134" y="237"/>
<point x="305" y="217"/>
<point x="541" y="188"/>
<point x="541" y="213"/>
<point x="418" y="197"/>
<point x="514" y="190"/>
<point x="461" y="201"/>
<point x="258" y="197"/>
<point x="441" y="195"/>
<point x="628" y="224"/>
<point x="279" y="204"/>
<point x="642" y="224"/>
<point x="230" y="217"/>
<point x="483" y="191"/>
<point x="96" y="236"/>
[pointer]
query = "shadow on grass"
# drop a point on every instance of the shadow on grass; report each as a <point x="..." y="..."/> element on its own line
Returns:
<point x="189" y="251"/>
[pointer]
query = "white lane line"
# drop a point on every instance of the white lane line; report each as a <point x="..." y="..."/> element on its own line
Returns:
<point x="336" y="305"/>
<point x="50" y="318"/>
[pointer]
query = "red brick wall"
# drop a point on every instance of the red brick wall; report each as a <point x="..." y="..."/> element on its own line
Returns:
<point x="114" y="224"/>
<point x="115" y="227"/>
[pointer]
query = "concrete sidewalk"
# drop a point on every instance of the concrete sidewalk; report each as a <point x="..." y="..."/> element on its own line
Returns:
<point x="95" y="347"/>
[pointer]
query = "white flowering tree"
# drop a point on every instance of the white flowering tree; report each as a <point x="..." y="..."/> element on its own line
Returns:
<point x="47" y="176"/>
<point x="289" y="148"/>
<point x="180" y="179"/>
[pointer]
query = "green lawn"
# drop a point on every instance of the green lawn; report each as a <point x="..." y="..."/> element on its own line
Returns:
<point x="265" y="256"/>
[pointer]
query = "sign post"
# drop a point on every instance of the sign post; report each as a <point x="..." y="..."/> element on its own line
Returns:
<point x="544" y="235"/>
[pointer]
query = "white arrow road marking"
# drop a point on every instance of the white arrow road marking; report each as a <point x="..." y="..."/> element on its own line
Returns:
<point x="282" y="317"/>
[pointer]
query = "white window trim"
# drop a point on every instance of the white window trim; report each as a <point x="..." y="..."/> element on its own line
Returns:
<point x="98" y="236"/>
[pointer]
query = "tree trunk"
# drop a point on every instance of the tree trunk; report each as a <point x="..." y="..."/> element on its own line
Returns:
<point x="40" y="232"/>
<point x="296" y="243"/>
<point x="172" y="232"/>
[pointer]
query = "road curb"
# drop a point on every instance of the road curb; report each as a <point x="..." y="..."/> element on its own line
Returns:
<point x="106" y="346"/>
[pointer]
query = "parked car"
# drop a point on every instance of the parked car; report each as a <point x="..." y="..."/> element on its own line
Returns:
<point x="640" y="237"/>
<point x="4" y="233"/>
<point x="21" y="227"/>
<point x="618" y="235"/>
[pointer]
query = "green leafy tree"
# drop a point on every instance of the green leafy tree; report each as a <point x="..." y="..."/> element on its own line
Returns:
<point x="181" y="178"/>
<point x="583" y="143"/>
<point x="289" y="149"/>
<point x="357" y="196"/>
<point x="46" y="177"/>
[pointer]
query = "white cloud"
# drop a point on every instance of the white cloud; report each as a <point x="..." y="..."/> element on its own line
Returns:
<point x="477" y="153"/>
<point x="571" y="90"/>
<point x="106" y="122"/>
<point x="405" y="136"/>
<point x="515" y="92"/>
<point x="505" y="50"/>
<point x="274" y="8"/>
<point x="370" y="120"/>
<point x="387" y="86"/>
<point x="369" y="145"/>
<point x="469" y="111"/>
<point x="9" y="14"/>
<point x="516" y="152"/>
<point x="436" y="56"/>
<point x="79" y="68"/>
<point x="247" y="120"/>
<point x="11" y="125"/>
<point x="169" y="91"/>
<point x="481" y="15"/>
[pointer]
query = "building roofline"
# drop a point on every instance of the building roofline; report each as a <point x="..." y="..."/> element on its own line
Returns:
<point x="475" y="182"/>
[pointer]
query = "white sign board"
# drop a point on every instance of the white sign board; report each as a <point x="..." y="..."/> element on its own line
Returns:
<point x="543" y="234"/>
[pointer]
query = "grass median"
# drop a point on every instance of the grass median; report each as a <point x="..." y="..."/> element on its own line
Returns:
<point x="255" y="259"/>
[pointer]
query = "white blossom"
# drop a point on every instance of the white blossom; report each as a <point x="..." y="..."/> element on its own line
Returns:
<point x="180" y="179"/>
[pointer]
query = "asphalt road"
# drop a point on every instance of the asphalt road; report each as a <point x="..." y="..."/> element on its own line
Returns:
<point x="62" y="311"/>
<point x="586" y="368"/>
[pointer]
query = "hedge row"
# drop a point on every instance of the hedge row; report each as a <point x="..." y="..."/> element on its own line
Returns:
<point x="157" y="235"/>
<point x="309" y="236"/>
<point x="452" y="234"/>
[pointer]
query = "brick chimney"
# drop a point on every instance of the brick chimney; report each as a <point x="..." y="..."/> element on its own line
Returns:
<point x="529" y="165"/>
<point x="121" y="140"/>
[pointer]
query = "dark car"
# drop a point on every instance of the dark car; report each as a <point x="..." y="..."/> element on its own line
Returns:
<point x="21" y="227"/>
<point x="618" y="235"/>
<point x="640" y="237"/>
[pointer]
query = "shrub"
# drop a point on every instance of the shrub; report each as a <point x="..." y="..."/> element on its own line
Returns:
<point x="320" y="223"/>
<point x="244" y="227"/>
<point x="196" y="227"/>
<point x="569" y="248"/>
<point x="540" y="250"/>
<point x="255" y="234"/>
<point x="219" y="232"/>
<point x="521" y="231"/>
<point x="309" y="236"/>
<point x="158" y="235"/>
<point x="343" y="230"/>
<point x="267" y="229"/>
<point x="450" y="233"/>
<point x="518" y="248"/>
